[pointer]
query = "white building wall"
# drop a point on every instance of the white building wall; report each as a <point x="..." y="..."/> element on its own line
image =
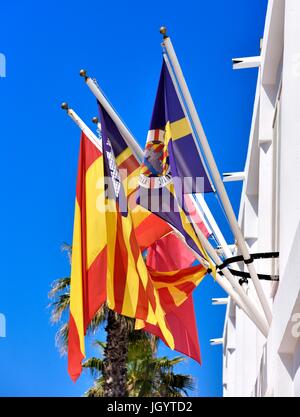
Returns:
<point x="270" y="217"/>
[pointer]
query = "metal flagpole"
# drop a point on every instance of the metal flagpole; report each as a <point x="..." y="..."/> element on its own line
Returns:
<point x="218" y="234"/>
<point x="238" y="301"/>
<point x="82" y="126"/>
<point x="198" y="197"/>
<point x="260" y="321"/>
<point x="216" y="175"/>
<point x="213" y="224"/>
<point x="226" y="284"/>
<point x="125" y="132"/>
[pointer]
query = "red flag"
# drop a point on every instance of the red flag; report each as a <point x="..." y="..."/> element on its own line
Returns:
<point x="160" y="256"/>
<point x="183" y="326"/>
<point x="167" y="254"/>
<point x="190" y="205"/>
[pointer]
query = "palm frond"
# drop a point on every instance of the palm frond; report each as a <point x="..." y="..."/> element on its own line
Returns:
<point x="65" y="247"/>
<point x="98" y="319"/>
<point x="177" y="386"/>
<point x="140" y="349"/>
<point x="166" y="363"/>
<point x="58" y="286"/>
<point x="95" y="366"/>
<point x="100" y="344"/>
<point x="59" y="306"/>
<point x="62" y="338"/>
<point x="97" y="389"/>
<point x="183" y="382"/>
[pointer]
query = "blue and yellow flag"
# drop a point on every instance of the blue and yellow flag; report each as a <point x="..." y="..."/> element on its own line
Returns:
<point x="172" y="168"/>
<point x="170" y="147"/>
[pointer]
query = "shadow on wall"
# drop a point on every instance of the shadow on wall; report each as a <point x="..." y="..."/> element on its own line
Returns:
<point x="261" y="386"/>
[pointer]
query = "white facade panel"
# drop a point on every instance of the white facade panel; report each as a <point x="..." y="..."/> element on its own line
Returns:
<point x="270" y="218"/>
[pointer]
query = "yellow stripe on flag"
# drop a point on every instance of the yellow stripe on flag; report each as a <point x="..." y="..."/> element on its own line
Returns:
<point x="95" y="219"/>
<point x="131" y="291"/>
<point x="123" y="156"/>
<point x="160" y="314"/>
<point x="111" y="224"/>
<point x="76" y="291"/>
<point x="139" y="214"/>
<point x="180" y="128"/>
<point x="139" y="324"/>
<point x="130" y="183"/>
<point x="178" y="296"/>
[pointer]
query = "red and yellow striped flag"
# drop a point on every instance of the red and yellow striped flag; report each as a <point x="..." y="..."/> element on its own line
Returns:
<point x="89" y="253"/>
<point x="182" y="323"/>
<point x="175" y="292"/>
<point x="107" y="264"/>
<point x="175" y="296"/>
<point x="174" y="287"/>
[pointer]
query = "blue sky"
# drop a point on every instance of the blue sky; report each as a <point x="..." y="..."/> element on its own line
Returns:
<point x="45" y="45"/>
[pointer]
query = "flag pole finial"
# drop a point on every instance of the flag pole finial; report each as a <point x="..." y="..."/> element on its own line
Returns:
<point x="64" y="106"/>
<point x="83" y="73"/>
<point x="163" y="31"/>
<point x="95" y="120"/>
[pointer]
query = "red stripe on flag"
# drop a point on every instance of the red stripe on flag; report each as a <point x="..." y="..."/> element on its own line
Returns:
<point x="96" y="285"/>
<point x="142" y="306"/>
<point x="169" y="254"/>
<point x="134" y="246"/>
<point x="130" y="164"/>
<point x="75" y="355"/>
<point x="190" y="205"/>
<point x="120" y="265"/>
<point x="150" y="293"/>
<point x="186" y="287"/>
<point x="81" y="200"/>
<point x="161" y="277"/>
<point x="150" y="230"/>
<point x="143" y="298"/>
<point x="166" y="299"/>
<point x="91" y="153"/>
<point x="183" y="326"/>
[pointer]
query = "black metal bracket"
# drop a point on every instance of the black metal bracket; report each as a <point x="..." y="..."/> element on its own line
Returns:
<point x="246" y="275"/>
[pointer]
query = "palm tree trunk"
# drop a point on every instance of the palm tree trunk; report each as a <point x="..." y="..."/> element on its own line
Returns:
<point x="115" y="356"/>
